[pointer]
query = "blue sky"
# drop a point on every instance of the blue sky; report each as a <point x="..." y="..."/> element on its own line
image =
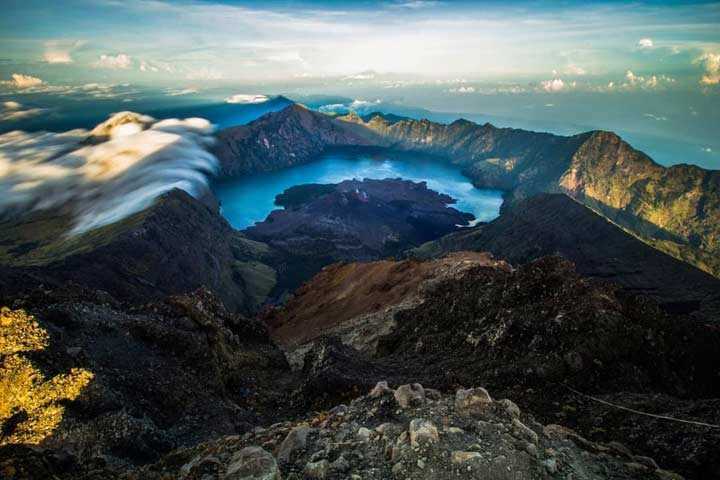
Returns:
<point x="664" y="45"/>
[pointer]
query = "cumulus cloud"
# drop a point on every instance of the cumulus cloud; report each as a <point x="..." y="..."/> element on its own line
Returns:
<point x="58" y="51"/>
<point x="18" y="80"/>
<point x="121" y="61"/>
<point x="154" y="66"/>
<point x="554" y="85"/>
<point x="361" y="107"/>
<point x="108" y="173"/>
<point x="11" y="111"/>
<point x="644" y="43"/>
<point x="247" y="98"/>
<point x="651" y="82"/>
<point x="711" y="64"/>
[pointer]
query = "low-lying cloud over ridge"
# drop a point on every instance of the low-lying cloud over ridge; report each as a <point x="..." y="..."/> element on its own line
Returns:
<point x="108" y="173"/>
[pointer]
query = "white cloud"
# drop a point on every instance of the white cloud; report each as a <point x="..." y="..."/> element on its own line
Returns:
<point x="132" y="160"/>
<point x="155" y="66"/>
<point x="655" y="117"/>
<point x="12" y="111"/>
<point x="633" y="81"/>
<point x="575" y="70"/>
<point x="369" y="75"/>
<point x="644" y="43"/>
<point x="462" y="90"/>
<point x="554" y="85"/>
<point x="246" y="98"/>
<point x="180" y="92"/>
<point x="121" y="61"/>
<point x="18" y="80"/>
<point x="711" y="64"/>
<point x="59" y="51"/>
<point x="417" y="4"/>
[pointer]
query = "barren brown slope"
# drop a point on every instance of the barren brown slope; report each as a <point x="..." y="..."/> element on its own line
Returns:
<point x="345" y="291"/>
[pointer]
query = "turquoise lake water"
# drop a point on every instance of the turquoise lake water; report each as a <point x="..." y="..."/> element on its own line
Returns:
<point x="250" y="199"/>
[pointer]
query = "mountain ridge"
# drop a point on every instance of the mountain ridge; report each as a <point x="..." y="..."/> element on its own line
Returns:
<point x="674" y="209"/>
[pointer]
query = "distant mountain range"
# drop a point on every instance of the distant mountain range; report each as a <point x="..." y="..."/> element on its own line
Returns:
<point x="675" y="209"/>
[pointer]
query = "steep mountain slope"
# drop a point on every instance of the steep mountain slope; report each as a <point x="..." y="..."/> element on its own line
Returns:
<point x="290" y="137"/>
<point x="675" y="209"/>
<point x="175" y="246"/>
<point x="555" y="224"/>
<point x="527" y="334"/>
<point x="174" y="372"/>
<point x="357" y="302"/>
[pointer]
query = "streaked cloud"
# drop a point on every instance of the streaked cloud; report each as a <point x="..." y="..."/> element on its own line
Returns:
<point x="13" y="111"/>
<point x="108" y="173"/>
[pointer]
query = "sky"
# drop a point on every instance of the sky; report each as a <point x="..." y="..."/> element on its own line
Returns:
<point x="651" y="45"/>
<point x="646" y="68"/>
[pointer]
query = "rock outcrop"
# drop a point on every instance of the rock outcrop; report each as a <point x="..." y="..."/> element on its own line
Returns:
<point x="357" y="302"/>
<point x="549" y="224"/>
<point x="175" y="246"/>
<point x="293" y="136"/>
<point x="374" y="437"/>
<point x="675" y="209"/>
<point x="350" y="221"/>
<point x="529" y="334"/>
<point x="133" y="383"/>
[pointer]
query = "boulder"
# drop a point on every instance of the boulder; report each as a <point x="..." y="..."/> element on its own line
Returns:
<point x="422" y="432"/>
<point x="294" y="441"/>
<point x="252" y="463"/>
<point x="411" y="395"/>
<point x="472" y="402"/>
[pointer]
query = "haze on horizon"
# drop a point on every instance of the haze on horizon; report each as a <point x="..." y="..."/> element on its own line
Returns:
<point x="650" y="69"/>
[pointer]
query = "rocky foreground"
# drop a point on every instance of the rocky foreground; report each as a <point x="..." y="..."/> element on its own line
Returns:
<point x="407" y="432"/>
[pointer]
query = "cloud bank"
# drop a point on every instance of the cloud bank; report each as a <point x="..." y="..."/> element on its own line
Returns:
<point x="18" y="80"/>
<point x="108" y="173"/>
